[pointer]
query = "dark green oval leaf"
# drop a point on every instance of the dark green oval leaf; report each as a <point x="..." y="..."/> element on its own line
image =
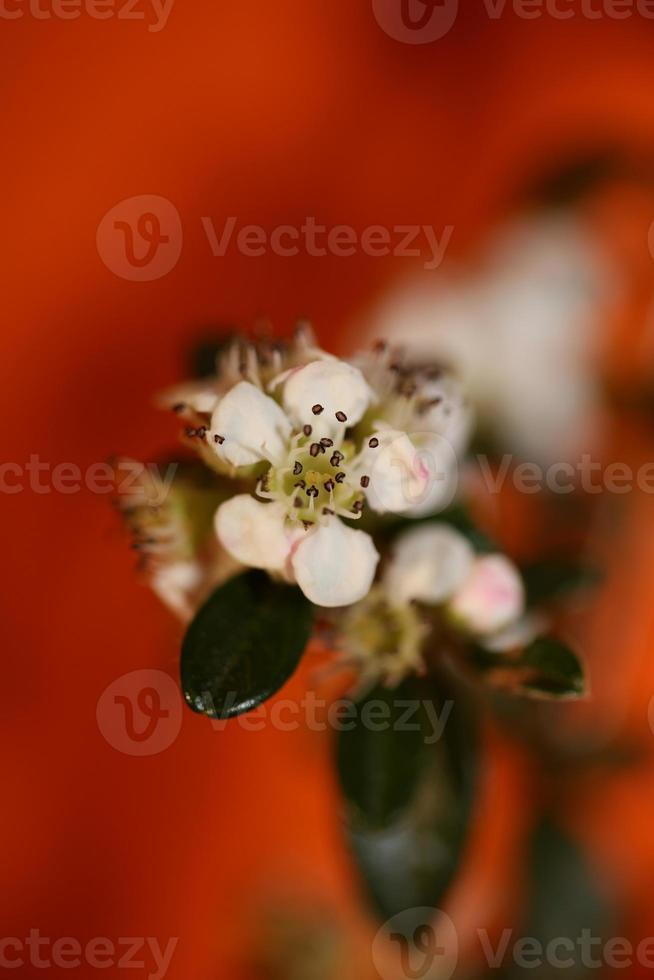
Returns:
<point x="547" y="669"/>
<point x="408" y="795"/>
<point x="243" y="645"/>
<point x="380" y="758"/>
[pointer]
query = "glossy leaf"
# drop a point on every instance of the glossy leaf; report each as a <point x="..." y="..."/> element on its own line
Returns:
<point x="243" y="645"/>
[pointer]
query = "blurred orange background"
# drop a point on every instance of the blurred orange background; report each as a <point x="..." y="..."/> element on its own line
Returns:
<point x="270" y="113"/>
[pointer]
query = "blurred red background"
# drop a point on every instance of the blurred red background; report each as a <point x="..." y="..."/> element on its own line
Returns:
<point x="271" y="113"/>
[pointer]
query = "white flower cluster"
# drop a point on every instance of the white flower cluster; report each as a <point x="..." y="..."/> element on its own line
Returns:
<point x="323" y="438"/>
<point x="434" y="566"/>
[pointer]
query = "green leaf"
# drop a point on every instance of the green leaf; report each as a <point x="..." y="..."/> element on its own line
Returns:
<point x="243" y="645"/>
<point x="408" y="795"/>
<point x="380" y="762"/>
<point x="546" y="669"/>
<point x="554" y="578"/>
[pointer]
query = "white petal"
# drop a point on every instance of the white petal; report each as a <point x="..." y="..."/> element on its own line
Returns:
<point x="414" y="475"/>
<point x="253" y="532"/>
<point x="491" y="597"/>
<point x="334" y="564"/>
<point x="252" y="425"/>
<point x="429" y="564"/>
<point x="200" y="396"/>
<point x="451" y="415"/>
<point x="438" y="455"/>
<point x="176" y="584"/>
<point x="335" y="386"/>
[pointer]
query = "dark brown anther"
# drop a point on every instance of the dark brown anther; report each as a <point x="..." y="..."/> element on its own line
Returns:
<point x="298" y="503"/>
<point x="337" y="458"/>
<point x="307" y="430"/>
<point x="202" y="432"/>
<point x="312" y="491"/>
<point x="357" y="507"/>
<point x="326" y="443"/>
<point x="219" y="439"/>
<point x="341" y="416"/>
<point x="329" y="485"/>
<point x="301" y="484"/>
<point x="365" y="481"/>
<point x="297" y="469"/>
<point x="179" y="407"/>
<point x="317" y="409"/>
<point x="315" y="449"/>
<point x="190" y="432"/>
<point x="374" y="442"/>
<point x="328" y="510"/>
<point x="339" y="477"/>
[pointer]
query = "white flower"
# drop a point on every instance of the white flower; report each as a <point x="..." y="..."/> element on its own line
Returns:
<point x="423" y="422"/>
<point x="428" y="564"/>
<point x="491" y="598"/>
<point x="310" y="480"/>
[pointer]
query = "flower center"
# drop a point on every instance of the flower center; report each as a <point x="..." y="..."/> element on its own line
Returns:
<point x="318" y="480"/>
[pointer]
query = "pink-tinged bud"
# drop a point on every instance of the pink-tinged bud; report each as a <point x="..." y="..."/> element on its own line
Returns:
<point x="491" y="597"/>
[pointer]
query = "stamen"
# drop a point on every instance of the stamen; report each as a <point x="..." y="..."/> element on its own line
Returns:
<point x="298" y="503"/>
<point x="300" y="484"/>
<point x="315" y="449"/>
<point x="329" y="485"/>
<point x="339" y="477"/>
<point x="365" y="481"/>
<point x="328" y="510"/>
<point x="297" y="469"/>
<point x="307" y="430"/>
<point x="179" y="407"/>
<point x="317" y="409"/>
<point x="341" y="416"/>
<point x="219" y="439"/>
<point x="337" y="458"/>
<point x="326" y="443"/>
<point x="374" y="442"/>
<point x="312" y="491"/>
